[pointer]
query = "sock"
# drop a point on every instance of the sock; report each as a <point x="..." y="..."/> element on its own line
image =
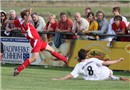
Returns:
<point x="24" y="65"/>
<point x="114" y="77"/>
<point x="57" y="55"/>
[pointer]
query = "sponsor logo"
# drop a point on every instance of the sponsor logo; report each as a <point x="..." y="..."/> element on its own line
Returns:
<point x="127" y="48"/>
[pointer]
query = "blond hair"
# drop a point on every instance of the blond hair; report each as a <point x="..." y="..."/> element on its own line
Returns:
<point x="52" y="15"/>
<point x="12" y="12"/>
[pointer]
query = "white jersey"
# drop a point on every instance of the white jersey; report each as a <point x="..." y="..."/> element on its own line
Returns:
<point x="91" y="69"/>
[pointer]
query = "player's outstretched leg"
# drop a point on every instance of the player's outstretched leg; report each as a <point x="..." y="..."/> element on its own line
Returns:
<point x="21" y="67"/>
<point x="56" y="54"/>
<point x="26" y="63"/>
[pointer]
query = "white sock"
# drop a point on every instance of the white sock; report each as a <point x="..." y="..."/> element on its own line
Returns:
<point x="114" y="77"/>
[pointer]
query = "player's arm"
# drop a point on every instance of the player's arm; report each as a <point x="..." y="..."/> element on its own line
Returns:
<point x="69" y="76"/>
<point x="112" y="62"/>
<point x="28" y="16"/>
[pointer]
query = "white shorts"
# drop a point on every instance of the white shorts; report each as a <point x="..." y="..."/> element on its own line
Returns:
<point x="105" y="73"/>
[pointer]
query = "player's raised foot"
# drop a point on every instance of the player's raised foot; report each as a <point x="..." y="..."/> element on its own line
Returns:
<point x="66" y="62"/>
<point x="16" y="72"/>
<point x="67" y="58"/>
<point x="124" y="79"/>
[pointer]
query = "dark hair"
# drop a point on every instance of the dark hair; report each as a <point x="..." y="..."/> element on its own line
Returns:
<point x="33" y="14"/>
<point x="90" y="13"/>
<point x="118" y="18"/>
<point x="88" y="8"/>
<point x="116" y="9"/>
<point x="62" y="13"/>
<point x="24" y="13"/>
<point x="82" y="54"/>
<point x="4" y="15"/>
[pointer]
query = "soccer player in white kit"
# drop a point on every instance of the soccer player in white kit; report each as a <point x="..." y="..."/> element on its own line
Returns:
<point x="92" y="69"/>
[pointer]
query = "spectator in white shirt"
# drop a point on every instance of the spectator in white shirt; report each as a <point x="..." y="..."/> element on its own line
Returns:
<point x="80" y="25"/>
<point x="38" y="22"/>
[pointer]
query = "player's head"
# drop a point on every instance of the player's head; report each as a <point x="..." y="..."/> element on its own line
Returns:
<point x="24" y="13"/>
<point x="82" y="54"/>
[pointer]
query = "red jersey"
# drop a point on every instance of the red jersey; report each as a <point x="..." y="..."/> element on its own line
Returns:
<point x="119" y="28"/>
<point x="65" y="25"/>
<point x="31" y="33"/>
<point x="53" y="26"/>
<point x="28" y="30"/>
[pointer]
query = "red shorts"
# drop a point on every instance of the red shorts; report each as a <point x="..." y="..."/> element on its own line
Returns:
<point x="38" y="45"/>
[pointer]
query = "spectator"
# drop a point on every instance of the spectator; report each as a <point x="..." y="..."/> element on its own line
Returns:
<point x="116" y="11"/>
<point x="102" y="25"/>
<point x="87" y="10"/>
<point x="38" y="22"/>
<point x="93" y="25"/>
<point x="92" y="69"/>
<point x="64" y="24"/>
<point x="50" y="26"/>
<point x="12" y="30"/>
<point x="128" y="28"/>
<point x="80" y="25"/>
<point x="119" y="27"/>
<point x="3" y="17"/>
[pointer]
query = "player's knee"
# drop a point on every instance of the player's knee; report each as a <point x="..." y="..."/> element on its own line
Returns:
<point x="49" y="48"/>
<point x="111" y="72"/>
<point x="33" y="59"/>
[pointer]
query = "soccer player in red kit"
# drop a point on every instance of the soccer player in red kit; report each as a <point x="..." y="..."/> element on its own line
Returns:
<point x="36" y="42"/>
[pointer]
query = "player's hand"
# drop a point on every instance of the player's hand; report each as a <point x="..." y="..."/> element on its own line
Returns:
<point x="124" y="79"/>
<point x="121" y="59"/>
<point x="29" y="11"/>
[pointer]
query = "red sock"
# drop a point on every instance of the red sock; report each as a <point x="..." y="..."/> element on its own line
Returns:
<point x="57" y="55"/>
<point x="24" y="65"/>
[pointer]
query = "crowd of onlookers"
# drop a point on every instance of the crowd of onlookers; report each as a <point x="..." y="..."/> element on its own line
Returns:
<point x="94" y="24"/>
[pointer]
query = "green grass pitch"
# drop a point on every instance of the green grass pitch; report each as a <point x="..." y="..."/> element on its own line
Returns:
<point x="39" y="78"/>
